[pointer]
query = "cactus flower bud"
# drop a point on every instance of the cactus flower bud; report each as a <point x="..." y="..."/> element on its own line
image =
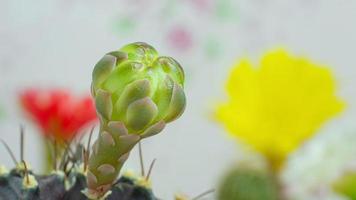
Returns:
<point x="136" y="93"/>
<point x="139" y="88"/>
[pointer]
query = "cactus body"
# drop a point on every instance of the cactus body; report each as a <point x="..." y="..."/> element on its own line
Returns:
<point x="346" y="185"/>
<point x="53" y="187"/>
<point x="248" y="184"/>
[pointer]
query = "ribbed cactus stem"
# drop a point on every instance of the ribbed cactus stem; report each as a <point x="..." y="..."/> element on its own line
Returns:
<point x="109" y="153"/>
<point x="136" y="93"/>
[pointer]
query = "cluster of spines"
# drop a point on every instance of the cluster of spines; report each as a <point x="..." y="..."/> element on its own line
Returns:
<point x="68" y="180"/>
<point x="21" y="184"/>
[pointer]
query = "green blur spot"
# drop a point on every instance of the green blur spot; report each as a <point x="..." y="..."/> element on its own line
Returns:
<point x="346" y="185"/>
<point x="226" y="10"/>
<point x="212" y="48"/>
<point x="169" y="9"/>
<point x="2" y="113"/>
<point x="125" y="25"/>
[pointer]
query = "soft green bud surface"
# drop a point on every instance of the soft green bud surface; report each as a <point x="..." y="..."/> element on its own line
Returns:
<point x="138" y="87"/>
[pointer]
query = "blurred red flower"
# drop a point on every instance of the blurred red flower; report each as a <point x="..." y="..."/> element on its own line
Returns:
<point x="59" y="114"/>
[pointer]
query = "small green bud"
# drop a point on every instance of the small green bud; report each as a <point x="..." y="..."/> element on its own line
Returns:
<point x="136" y="86"/>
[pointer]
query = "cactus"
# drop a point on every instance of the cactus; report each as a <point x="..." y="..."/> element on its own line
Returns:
<point x="15" y="184"/>
<point x="248" y="183"/>
<point x="65" y="183"/>
<point x="136" y="93"/>
<point x="346" y="185"/>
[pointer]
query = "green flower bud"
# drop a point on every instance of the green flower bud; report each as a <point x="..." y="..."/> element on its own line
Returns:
<point x="138" y="87"/>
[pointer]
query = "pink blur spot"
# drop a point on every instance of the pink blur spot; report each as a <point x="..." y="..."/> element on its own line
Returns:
<point x="203" y="5"/>
<point x="180" y="38"/>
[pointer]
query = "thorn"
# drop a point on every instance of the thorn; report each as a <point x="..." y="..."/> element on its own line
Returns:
<point x="26" y="172"/>
<point x="141" y="159"/>
<point x="9" y="151"/>
<point x="89" y="141"/>
<point x="68" y="144"/>
<point x="203" y="194"/>
<point x="65" y="155"/>
<point x="150" y="169"/>
<point x="85" y="162"/>
<point x="65" y="167"/>
<point x="55" y="155"/>
<point x="22" y="139"/>
<point x="79" y="139"/>
<point x="87" y="151"/>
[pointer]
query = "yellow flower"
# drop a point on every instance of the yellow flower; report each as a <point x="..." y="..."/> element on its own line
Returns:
<point x="278" y="105"/>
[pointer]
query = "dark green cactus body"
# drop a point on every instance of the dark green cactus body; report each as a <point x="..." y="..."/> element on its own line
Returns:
<point x="128" y="190"/>
<point x="14" y="186"/>
<point x="52" y="187"/>
<point x="124" y="189"/>
<point x="6" y="189"/>
<point x="136" y="93"/>
<point x="24" y="185"/>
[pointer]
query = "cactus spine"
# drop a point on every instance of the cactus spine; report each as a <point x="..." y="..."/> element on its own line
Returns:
<point x="136" y="93"/>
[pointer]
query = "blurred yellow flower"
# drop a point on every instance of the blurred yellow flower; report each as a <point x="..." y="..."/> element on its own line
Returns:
<point x="278" y="105"/>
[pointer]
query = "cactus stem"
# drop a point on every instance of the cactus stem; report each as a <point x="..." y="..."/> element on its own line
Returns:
<point x="150" y="169"/>
<point x="93" y="195"/>
<point x="22" y="140"/>
<point x="108" y="139"/>
<point x="9" y="151"/>
<point x="141" y="159"/>
<point x="106" y="169"/>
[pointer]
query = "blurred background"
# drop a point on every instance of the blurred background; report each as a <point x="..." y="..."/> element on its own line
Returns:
<point x="55" y="43"/>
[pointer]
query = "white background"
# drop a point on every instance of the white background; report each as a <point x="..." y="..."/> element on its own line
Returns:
<point x="55" y="43"/>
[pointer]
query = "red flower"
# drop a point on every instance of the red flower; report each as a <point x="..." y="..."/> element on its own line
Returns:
<point x="59" y="114"/>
